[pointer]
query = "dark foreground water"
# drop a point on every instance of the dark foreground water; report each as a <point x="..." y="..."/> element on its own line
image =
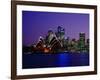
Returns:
<point x="64" y="59"/>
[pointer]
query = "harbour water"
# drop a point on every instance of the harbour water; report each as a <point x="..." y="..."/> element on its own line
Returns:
<point x="63" y="59"/>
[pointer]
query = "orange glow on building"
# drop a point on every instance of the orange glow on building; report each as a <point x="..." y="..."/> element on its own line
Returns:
<point x="46" y="50"/>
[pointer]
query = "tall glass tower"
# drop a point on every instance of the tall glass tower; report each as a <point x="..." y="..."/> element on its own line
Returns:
<point x="81" y="41"/>
<point x="60" y="32"/>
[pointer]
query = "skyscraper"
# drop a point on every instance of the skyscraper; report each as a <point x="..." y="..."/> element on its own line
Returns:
<point x="81" y="41"/>
<point x="60" y="33"/>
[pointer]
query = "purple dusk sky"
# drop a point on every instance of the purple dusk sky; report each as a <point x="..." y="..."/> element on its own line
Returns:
<point x="35" y="24"/>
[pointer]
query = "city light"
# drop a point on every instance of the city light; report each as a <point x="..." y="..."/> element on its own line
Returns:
<point x="55" y="42"/>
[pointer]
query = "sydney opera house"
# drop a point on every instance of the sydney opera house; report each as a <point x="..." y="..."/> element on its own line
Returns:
<point x="55" y="42"/>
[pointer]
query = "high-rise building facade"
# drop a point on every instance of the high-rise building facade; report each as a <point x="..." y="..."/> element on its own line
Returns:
<point x="60" y="33"/>
<point x="81" y="41"/>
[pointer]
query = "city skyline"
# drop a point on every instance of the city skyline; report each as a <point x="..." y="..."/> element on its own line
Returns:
<point x="55" y="42"/>
<point x="37" y="24"/>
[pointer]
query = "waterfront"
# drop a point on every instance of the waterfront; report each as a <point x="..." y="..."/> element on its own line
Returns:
<point x="62" y="59"/>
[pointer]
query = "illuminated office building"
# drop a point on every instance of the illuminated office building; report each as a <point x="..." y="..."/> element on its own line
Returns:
<point x="60" y="33"/>
<point x="81" y="41"/>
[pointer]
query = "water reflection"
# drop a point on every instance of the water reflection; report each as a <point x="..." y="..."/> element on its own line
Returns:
<point x="55" y="60"/>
